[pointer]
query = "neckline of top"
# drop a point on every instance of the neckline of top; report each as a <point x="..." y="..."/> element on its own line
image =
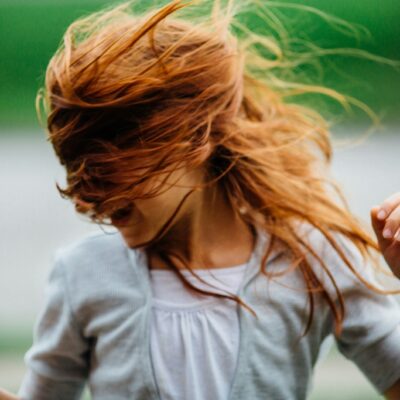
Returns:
<point x="203" y="271"/>
<point x="139" y="260"/>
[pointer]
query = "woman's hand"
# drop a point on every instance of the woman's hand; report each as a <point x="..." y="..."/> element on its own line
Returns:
<point x="4" y="395"/>
<point x="385" y="220"/>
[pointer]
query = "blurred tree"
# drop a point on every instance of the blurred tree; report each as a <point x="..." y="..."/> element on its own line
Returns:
<point x="31" y="31"/>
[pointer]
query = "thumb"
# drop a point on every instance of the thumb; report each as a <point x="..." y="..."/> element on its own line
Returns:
<point x="378" y="225"/>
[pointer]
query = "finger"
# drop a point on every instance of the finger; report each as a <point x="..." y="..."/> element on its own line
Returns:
<point x="392" y="257"/>
<point x="387" y="207"/>
<point x="378" y="226"/>
<point x="392" y="225"/>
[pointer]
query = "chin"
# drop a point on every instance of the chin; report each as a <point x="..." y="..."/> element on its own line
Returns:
<point x="133" y="241"/>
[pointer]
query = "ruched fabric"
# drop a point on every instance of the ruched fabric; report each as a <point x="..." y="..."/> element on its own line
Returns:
<point x="194" y="337"/>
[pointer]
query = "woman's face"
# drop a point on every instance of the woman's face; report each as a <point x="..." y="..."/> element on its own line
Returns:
<point x="144" y="219"/>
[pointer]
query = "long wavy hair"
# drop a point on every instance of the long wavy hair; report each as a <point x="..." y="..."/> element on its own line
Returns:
<point x="129" y="96"/>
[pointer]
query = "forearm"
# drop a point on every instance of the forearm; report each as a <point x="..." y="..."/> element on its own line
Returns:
<point x="4" y="395"/>
<point x="393" y="393"/>
<point x="35" y="386"/>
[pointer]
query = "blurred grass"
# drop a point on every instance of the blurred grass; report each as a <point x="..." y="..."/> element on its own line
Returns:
<point x="15" y="341"/>
<point x="27" y="46"/>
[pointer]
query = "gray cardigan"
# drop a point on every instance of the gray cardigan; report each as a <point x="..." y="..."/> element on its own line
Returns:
<point x="94" y="325"/>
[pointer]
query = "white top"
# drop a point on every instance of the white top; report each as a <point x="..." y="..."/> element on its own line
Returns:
<point x="194" y="337"/>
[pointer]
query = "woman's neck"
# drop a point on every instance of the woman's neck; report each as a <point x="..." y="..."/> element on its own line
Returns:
<point x="209" y="234"/>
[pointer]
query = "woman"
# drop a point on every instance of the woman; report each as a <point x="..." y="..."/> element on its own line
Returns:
<point x="169" y="132"/>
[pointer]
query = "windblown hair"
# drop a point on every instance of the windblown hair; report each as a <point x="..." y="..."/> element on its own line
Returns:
<point x="130" y="96"/>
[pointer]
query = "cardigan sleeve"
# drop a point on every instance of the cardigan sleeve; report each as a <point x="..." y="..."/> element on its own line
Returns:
<point x="371" y="327"/>
<point x="57" y="362"/>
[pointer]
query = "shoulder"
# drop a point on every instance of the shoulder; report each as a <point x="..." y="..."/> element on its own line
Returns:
<point x="97" y="258"/>
<point x="97" y="271"/>
<point x="322" y="244"/>
<point x="93" y="247"/>
<point x="328" y="250"/>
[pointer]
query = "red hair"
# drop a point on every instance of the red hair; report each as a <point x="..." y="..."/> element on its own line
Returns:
<point x="130" y="96"/>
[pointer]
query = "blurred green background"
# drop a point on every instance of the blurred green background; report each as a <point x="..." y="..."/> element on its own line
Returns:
<point x="32" y="29"/>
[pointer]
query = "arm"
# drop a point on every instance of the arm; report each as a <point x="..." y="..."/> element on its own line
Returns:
<point x="393" y="393"/>
<point x="4" y="395"/>
<point x="389" y="219"/>
<point x="371" y="328"/>
<point x="58" y="359"/>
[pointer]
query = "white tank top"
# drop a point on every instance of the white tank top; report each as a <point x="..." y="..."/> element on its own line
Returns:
<point x="194" y="337"/>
